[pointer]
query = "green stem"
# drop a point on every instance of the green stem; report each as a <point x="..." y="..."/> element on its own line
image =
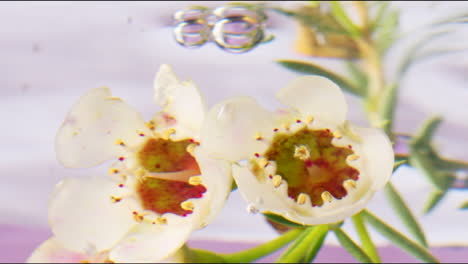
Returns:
<point x="311" y="238"/>
<point x="365" y="238"/>
<point x="263" y="250"/>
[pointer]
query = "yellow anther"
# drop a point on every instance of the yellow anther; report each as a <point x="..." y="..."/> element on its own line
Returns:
<point x="326" y="196"/>
<point x="301" y="198"/>
<point x="349" y="184"/>
<point x="337" y="134"/>
<point x="140" y="173"/>
<point x="286" y="125"/>
<point x="113" y="171"/>
<point x="138" y="217"/>
<point x="262" y="162"/>
<point x="302" y="152"/>
<point x="119" y="142"/>
<point x="161" y="220"/>
<point x="166" y="134"/>
<point x="116" y="199"/>
<point x="277" y="180"/>
<point x="308" y="119"/>
<point x="150" y="125"/>
<point x="195" y="180"/>
<point x="353" y="157"/>
<point x="187" y="205"/>
<point x="191" y="148"/>
<point x="258" y="136"/>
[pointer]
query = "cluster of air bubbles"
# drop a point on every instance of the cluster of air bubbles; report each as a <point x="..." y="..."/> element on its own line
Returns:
<point x="236" y="28"/>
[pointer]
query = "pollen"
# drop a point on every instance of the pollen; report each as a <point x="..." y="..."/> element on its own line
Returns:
<point x="277" y="181"/>
<point x="326" y="196"/>
<point x="166" y="134"/>
<point x="302" y="152"/>
<point x="113" y="171"/>
<point x="301" y="199"/>
<point x="195" y="180"/>
<point x="258" y="136"/>
<point x="187" y="205"/>
<point x="353" y="157"/>
<point x="337" y="134"/>
<point x="309" y="119"/>
<point x="191" y="148"/>
<point x="119" y="142"/>
<point x="116" y="199"/>
<point x="150" y="125"/>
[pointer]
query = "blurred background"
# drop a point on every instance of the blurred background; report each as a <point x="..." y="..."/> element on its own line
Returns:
<point x="53" y="52"/>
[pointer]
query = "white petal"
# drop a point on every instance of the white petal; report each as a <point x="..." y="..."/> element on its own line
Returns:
<point x="88" y="135"/>
<point x="316" y="96"/>
<point x="151" y="243"/>
<point x="84" y="218"/>
<point x="231" y="126"/>
<point x="377" y="154"/>
<point x="262" y="196"/>
<point x="180" y="99"/>
<point x="51" y="251"/>
<point x="217" y="178"/>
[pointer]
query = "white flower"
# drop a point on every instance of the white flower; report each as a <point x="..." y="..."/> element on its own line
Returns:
<point x="306" y="163"/>
<point x="87" y="224"/>
<point x="163" y="184"/>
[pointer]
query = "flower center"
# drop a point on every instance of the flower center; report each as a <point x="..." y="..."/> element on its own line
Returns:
<point x="170" y="160"/>
<point x="311" y="164"/>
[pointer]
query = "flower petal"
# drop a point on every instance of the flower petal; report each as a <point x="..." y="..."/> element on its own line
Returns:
<point x="84" y="218"/>
<point x="181" y="100"/>
<point x="89" y="133"/>
<point x="217" y="178"/>
<point x="151" y="243"/>
<point x="316" y="96"/>
<point x="230" y="128"/>
<point x="377" y="153"/>
<point x="51" y="251"/>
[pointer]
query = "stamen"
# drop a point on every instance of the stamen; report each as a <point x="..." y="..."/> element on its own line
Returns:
<point x="119" y="142"/>
<point x="258" y="136"/>
<point x="326" y="196"/>
<point x="349" y="184"/>
<point x="195" y="180"/>
<point x="302" y="198"/>
<point x="166" y="134"/>
<point x="187" y="205"/>
<point x="121" y="185"/>
<point x="337" y="134"/>
<point x="191" y="148"/>
<point x="138" y="217"/>
<point x="161" y="220"/>
<point x="116" y="199"/>
<point x="277" y="180"/>
<point x="257" y="155"/>
<point x="121" y="158"/>
<point x="262" y="162"/>
<point x="140" y="173"/>
<point x="275" y="130"/>
<point x="309" y="119"/>
<point x="113" y="171"/>
<point x="302" y="152"/>
<point x="286" y="126"/>
<point x="150" y="125"/>
<point x="353" y="157"/>
<point x="115" y="98"/>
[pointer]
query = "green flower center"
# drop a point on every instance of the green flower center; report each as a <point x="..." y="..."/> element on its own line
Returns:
<point x="171" y="158"/>
<point x="311" y="164"/>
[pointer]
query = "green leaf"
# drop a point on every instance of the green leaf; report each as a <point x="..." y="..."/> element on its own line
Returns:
<point x="388" y="103"/>
<point x="434" y="198"/>
<point x="193" y="255"/>
<point x="315" y="247"/>
<point x="399" y="239"/>
<point x="351" y="246"/>
<point x="314" y="18"/>
<point x="380" y="14"/>
<point x="281" y="220"/>
<point x="312" y="69"/>
<point x="464" y="205"/>
<point x="386" y="31"/>
<point x="427" y="131"/>
<point x="341" y="16"/>
<point x="367" y="243"/>
<point x="405" y="214"/>
<point x="359" y="78"/>
<point x="398" y="164"/>
<point x="308" y="239"/>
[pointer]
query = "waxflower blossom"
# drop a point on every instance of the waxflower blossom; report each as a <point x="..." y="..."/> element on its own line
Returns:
<point x="87" y="227"/>
<point x="162" y="185"/>
<point x="306" y="163"/>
